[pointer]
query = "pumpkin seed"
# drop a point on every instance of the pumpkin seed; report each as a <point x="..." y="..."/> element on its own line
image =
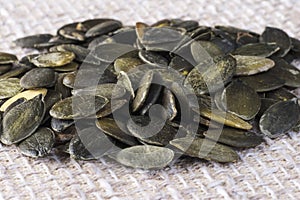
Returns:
<point x="234" y="137"/>
<point x="38" y="78"/>
<point x="84" y="106"/>
<point x="9" y="87"/>
<point x="249" y="65"/>
<point x="32" y="40"/>
<point x="22" y="120"/>
<point x="204" y="149"/>
<point x="241" y="100"/>
<point x="38" y="144"/>
<point x="53" y="59"/>
<point x="145" y="157"/>
<point x="280" y="118"/>
<point x="7" y="58"/>
<point x="28" y="94"/>
<point x="278" y="36"/>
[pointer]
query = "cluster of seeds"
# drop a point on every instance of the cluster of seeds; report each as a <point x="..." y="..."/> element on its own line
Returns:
<point x="144" y="95"/>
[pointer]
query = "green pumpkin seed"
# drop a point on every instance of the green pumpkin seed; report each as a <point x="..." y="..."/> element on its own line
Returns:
<point x="143" y="91"/>
<point x="204" y="149"/>
<point x="257" y="49"/>
<point x="28" y="94"/>
<point x="32" y="40"/>
<point x="263" y="82"/>
<point x="22" y="120"/>
<point x="60" y="125"/>
<point x="249" y="65"/>
<point x="111" y="107"/>
<point x="280" y="94"/>
<point x="38" y="78"/>
<point x="9" y="87"/>
<point x="53" y="59"/>
<point x="7" y="58"/>
<point x="126" y="64"/>
<point x="84" y="106"/>
<point x="280" y="118"/>
<point x="224" y="118"/>
<point x="111" y="128"/>
<point x="169" y="104"/>
<point x="234" y="137"/>
<point x="241" y="100"/>
<point x="212" y="76"/>
<point x="145" y="157"/>
<point x="108" y="90"/>
<point x="38" y="144"/>
<point x="5" y="68"/>
<point x="90" y="144"/>
<point x="140" y="128"/>
<point x="103" y="28"/>
<point x="279" y="37"/>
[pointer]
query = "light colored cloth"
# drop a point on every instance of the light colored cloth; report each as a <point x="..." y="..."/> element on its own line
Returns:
<point x="271" y="170"/>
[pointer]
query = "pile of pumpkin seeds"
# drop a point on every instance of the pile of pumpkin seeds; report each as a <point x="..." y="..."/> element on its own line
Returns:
<point x="100" y="88"/>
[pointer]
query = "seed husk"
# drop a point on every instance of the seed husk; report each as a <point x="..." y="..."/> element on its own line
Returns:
<point x="280" y="118"/>
<point x="38" y="144"/>
<point x="22" y="120"/>
<point x="205" y="149"/>
<point x="145" y="157"/>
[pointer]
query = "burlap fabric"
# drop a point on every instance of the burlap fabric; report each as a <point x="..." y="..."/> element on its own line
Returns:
<point x="271" y="170"/>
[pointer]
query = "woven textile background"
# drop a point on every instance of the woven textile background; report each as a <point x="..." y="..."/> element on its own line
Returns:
<point x="272" y="170"/>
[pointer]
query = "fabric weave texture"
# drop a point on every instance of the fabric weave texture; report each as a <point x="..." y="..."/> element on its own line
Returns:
<point x="271" y="170"/>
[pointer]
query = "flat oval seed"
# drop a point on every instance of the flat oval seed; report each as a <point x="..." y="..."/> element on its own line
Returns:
<point x="224" y="118"/>
<point x="22" y="120"/>
<point x="32" y="40"/>
<point x="249" y="65"/>
<point x="241" y="100"/>
<point x="9" y="87"/>
<point x="103" y="28"/>
<point x="108" y="90"/>
<point x="84" y="106"/>
<point x="109" y="52"/>
<point x="38" y="77"/>
<point x="7" y="58"/>
<point x="53" y="59"/>
<point x="28" y="94"/>
<point x="143" y="91"/>
<point x="278" y="36"/>
<point x="209" y="77"/>
<point x="126" y="64"/>
<point x="257" y="49"/>
<point x="208" y="150"/>
<point x="5" y="68"/>
<point x="145" y="157"/>
<point x="38" y="144"/>
<point x="234" y="137"/>
<point x="280" y="118"/>
<point x="263" y="82"/>
<point x="90" y="144"/>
